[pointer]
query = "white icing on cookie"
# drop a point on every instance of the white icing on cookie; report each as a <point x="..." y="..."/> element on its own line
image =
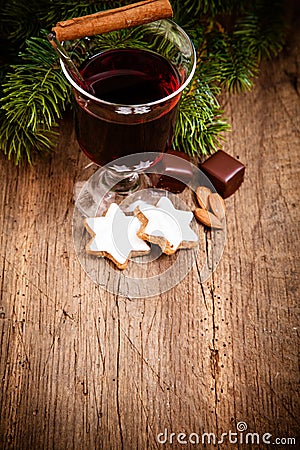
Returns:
<point x="169" y="223"/>
<point x="115" y="234"/>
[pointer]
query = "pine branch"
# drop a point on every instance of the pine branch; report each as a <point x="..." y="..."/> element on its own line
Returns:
<point x="200" y="127"/>
<point x="131" y="37"/>
<point x="209" y="8"/>
<point x="25" y="143"/>
<point x="35" y="97"/>
<point x="236" y="64"/>
<point x="58" y="10"/>
<point x="19" y="20"/>
<point x="261" y="33"/>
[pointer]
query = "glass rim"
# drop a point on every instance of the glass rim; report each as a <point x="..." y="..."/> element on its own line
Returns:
<point x="156" y="102"/>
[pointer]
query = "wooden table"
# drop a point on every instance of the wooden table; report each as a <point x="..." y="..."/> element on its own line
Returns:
<point x="85" y="369"/>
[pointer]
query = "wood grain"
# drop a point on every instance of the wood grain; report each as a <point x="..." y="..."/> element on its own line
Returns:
<point x="85" y="369"/>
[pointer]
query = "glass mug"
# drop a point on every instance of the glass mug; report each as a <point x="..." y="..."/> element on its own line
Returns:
<point x="133" y="96"/>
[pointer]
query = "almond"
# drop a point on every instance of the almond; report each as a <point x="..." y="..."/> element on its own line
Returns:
<point x="202" y="194"/>
<point x="217" y="205"/>
<point x="207" y="218"/>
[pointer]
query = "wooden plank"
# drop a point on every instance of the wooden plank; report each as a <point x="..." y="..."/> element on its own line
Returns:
<point x="257" y="284"/>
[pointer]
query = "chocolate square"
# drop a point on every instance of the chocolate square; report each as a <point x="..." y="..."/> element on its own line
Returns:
<point x="176" y="172"/>
<point x="225" y="172"/>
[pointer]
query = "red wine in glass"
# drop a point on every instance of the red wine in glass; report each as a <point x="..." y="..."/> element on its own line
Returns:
<point x="128" y="82"/>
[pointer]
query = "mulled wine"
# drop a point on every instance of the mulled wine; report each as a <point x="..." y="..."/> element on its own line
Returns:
<point x="127" y="82"/>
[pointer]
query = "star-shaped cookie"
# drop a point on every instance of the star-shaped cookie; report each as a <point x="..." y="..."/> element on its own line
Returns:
<point x="115" y="236"/>
<point x="166" y="226"/>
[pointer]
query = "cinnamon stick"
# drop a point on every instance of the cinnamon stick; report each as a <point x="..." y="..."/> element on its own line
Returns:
<point x="113" y="19"/>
